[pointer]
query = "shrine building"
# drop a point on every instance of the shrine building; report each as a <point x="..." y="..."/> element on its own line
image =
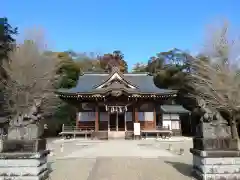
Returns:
<point x="113" y="101"/>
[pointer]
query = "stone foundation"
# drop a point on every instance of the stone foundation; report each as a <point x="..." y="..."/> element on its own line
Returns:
<point x="102" y="135"/>
<point x="129" y="135"/>
<point x="24" y="166"/>
<point x="216" y="165"/>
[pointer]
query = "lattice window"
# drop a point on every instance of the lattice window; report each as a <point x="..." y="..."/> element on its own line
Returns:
<point x="91" y="114"/>
<point x="175" y="125"/>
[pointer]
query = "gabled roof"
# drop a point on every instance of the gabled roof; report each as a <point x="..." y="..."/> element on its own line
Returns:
<point x="136" y="82"/>
<point x="116" y="74"/>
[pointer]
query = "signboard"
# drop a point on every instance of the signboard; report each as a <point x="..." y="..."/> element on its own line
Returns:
<point x="137" y="129"/>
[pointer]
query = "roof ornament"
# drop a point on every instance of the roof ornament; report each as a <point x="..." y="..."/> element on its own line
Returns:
<point x="115" y="68"/>
<point x="116" y="93"/>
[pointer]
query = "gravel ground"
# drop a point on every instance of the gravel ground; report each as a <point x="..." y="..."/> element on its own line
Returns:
<point x="120" y="159"/>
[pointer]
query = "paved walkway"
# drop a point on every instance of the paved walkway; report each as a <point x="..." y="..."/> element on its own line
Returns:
<point x="117" y="160"/>
<point x="118" y="149"/>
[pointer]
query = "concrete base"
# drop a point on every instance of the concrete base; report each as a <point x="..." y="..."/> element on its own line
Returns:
<point x="129" y="135"/>
<point x="116" y="135"/>
<point x="216" y="165"/>
<point x="24" y="166"/>
<point x="103" y="135"/>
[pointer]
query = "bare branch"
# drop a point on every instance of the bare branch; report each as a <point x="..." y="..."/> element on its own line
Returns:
<point x="32" y="75"/>
<point x="216" y="80"/>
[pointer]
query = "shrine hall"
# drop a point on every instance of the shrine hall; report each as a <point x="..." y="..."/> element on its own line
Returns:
<point x="114" y="101"/>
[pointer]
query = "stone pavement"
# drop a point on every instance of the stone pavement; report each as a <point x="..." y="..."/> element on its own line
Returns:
<point x="119" y="160"/>
<point x="118" y="148"/>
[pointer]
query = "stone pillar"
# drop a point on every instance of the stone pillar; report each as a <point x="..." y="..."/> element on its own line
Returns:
<point x="215" y="153"/>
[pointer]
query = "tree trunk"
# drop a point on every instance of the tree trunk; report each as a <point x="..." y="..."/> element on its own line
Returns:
<point x="234" y="130"/>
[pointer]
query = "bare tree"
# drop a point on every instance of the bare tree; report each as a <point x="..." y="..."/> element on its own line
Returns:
<point x="30" y="86"/>
<point x="216" y="79"/>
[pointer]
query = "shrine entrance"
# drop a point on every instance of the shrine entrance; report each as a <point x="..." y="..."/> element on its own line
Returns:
<point x="117" y="117"/>
<point x="121" y="122"/>
<point x="112" y="124"/>
<point x="117" y="122"/>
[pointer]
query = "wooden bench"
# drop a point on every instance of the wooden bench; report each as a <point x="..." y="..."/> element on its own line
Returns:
<point x="69" y="131"/>
<point x="163" y="132"/>
<point x="86" y="127"/>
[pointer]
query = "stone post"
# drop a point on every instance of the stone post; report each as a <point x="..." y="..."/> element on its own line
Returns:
<point x="215" y="153"/>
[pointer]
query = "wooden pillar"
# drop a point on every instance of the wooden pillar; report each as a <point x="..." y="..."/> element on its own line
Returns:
<point x="108" y="121"/>
<point x="77" y="118"/>
<point x="96" y="118"/>
<point x="154" y="117"/>
<point x="117" y="122"/>
<point x="125" y="121"/>
<point x="136" y="114"/>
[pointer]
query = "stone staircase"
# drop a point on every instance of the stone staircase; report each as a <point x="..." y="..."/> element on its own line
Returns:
<point x="116" y="135"/>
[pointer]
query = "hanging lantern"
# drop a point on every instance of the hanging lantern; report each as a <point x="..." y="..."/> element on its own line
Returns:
<point x="106" y="107"/>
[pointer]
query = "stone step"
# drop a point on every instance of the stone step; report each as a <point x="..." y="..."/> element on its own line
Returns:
<point x="228" y="176"/>
<point x="23" y="170"/>
<point x="24" y="166"/>
<point x="42" y="176"/>
<point x="116" y="135"/>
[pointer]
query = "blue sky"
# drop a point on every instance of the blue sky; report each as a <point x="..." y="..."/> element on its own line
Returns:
<point x="139" y="29"/>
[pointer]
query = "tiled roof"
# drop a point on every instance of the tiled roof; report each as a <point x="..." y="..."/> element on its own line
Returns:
<point x="144" y="82"/>
<point x="173" y="109"/>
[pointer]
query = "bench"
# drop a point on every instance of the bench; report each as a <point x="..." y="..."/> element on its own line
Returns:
<point x="69" y="131"/>
<point x="86" y="127"/>
<point x="163" y="133"/>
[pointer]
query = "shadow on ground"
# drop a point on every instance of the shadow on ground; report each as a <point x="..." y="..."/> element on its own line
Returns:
<point x="183" y="168"/>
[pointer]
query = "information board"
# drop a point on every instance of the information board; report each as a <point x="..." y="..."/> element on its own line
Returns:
<point x="137" y="129"/>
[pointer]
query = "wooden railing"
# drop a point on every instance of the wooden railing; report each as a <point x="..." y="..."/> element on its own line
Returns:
<point x="68" y="131"/>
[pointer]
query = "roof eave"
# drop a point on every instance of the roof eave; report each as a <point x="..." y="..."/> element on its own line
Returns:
<point x="108" y="90"/>
<point x="172" y="111"/>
